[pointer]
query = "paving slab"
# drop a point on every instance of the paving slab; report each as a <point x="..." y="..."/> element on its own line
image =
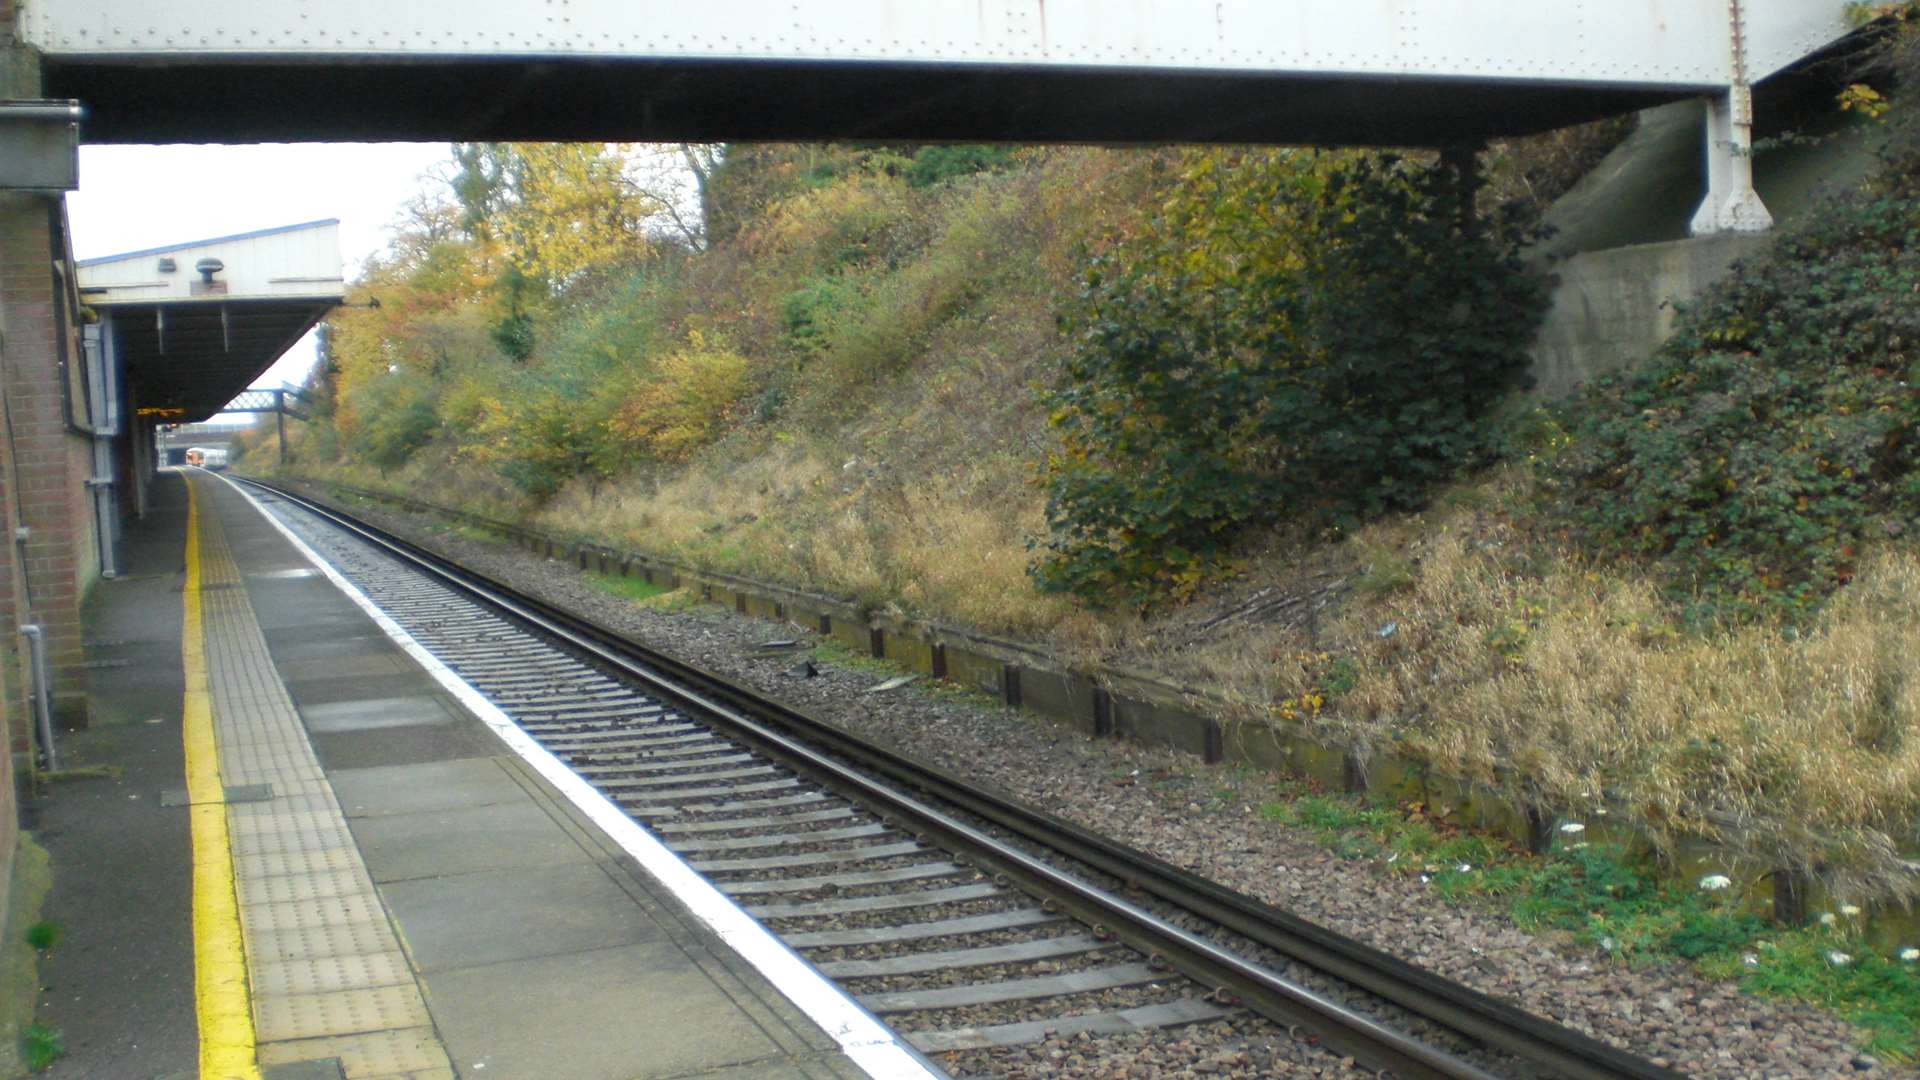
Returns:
<point x="345" y="687"/>
<point x="501" y="915"/>
<point x="464" y="841"/>
<point x="408" y="1052"/>
<point x="786" y="1068"/>
<point x="489" y="1018"/>
<point x="412" y="789"/>
<point x="413" y="744"/>
<point x="336" y="665"/>
<point x="323" y="643"/>
<point x="368" y="714"/>
<point x="327" y="1069"/>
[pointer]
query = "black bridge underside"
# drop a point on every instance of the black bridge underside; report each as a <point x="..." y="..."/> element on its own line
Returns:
<point x="142" y="100"/>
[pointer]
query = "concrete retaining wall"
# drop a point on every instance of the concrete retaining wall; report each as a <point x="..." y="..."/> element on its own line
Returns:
<point x="1611" y="309"/>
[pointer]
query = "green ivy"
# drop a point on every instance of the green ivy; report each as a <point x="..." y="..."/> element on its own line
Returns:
<point x="1318" y="338"/>
<point x="938" y="164"/>
<point x="807" y="313"/>
<point x="1774" y="434"/>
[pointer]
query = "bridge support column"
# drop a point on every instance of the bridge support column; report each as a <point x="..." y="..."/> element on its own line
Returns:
<point x="1731" y="205"/>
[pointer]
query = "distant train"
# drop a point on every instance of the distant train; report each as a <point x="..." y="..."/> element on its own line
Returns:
<point x="207" y="457"/>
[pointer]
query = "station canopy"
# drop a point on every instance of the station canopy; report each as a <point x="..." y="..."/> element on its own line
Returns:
<point x="195" y="323"/>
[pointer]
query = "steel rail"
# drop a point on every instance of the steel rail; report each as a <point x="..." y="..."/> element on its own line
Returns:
<point x="796" y="736"/>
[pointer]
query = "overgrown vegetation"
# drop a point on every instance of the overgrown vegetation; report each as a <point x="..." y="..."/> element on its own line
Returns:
<point x="1292" y="337"/>
<point x="1264" y="391"/>
<point x="1773" y="438"/>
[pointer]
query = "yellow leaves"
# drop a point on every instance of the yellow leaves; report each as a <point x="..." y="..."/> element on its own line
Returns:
<point x="1866" y="11"/>
<point x="841" y="222"/>
<point x="571" y="211"/>
<point x="1863" y="99"/>
<point x="1305" y="707"/>
<point x="682" y="402"/>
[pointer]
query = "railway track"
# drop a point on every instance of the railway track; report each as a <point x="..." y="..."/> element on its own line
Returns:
<point x="962" y="920"/>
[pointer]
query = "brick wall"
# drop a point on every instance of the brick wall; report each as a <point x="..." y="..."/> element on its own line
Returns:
<point x="25" y="236"/>
<point x="14" y="714"/>
<point x="51" y="461"/>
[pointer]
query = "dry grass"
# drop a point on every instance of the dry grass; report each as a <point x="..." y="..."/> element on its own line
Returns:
<point x="1522" y="666"/>
<point x="954" y="551"/>
<point x="1504" y="653"/>
<point x="1795" y="748"/>
<point x="1507" y="656"/>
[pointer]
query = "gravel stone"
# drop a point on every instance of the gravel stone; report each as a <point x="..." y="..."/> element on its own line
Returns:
<point x="1205" y="819"/>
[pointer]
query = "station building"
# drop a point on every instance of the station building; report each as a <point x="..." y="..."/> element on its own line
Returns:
<point x="97" y="359"/>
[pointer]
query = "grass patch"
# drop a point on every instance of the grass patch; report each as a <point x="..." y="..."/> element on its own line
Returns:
<point x="831" y="651"/>
<point x="1873" y="991"/>
<point x="41" y="1046"/>
<point x="474" y="533"/>
<point x="633" y="588"/>
<point x="684" y="600"/>
<point x="1610" y="899"/>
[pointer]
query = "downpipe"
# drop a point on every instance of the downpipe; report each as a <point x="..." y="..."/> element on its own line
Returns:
<point x="104" y="428"/>
<point x="40" y="686"/>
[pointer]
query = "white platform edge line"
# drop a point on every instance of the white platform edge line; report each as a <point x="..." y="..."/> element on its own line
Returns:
<point x="867" y="1042"/>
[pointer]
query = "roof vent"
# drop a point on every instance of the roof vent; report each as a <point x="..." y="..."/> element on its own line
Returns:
<point x="167" y="265"/>
<point x="206" y="286"/>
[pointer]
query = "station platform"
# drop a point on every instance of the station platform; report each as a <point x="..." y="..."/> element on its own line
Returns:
<point x="404" y="896"/>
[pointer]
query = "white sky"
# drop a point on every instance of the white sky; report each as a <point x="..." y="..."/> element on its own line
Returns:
<point x="135" y="197"/>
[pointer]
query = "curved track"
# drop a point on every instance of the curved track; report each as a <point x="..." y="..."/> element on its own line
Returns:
<point x="944" y="908"/>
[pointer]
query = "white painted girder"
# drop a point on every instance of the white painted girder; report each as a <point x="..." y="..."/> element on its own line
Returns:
<point x="1679" y="44"/>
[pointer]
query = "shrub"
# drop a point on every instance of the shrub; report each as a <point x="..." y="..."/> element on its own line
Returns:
<point x="397" y="418"/>
<point x="855" y="222"/>
<point x="807" y="314"/>
<point x="683" y="401"/>
<point x="938" y="164"/>
<point x="1314" y="338"/>
<point x="1754" y="456"/>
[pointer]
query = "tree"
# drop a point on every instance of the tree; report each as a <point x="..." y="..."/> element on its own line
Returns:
<point x="1314" y="337"/>
<point x="555" y="210"/>
<point x="678" y="178"/>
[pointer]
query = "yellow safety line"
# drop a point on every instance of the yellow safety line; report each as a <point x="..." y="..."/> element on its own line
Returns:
<point x="219" y="955"/>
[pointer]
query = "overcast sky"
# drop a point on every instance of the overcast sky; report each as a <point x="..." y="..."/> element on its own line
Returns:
<point x="136" y="197"/>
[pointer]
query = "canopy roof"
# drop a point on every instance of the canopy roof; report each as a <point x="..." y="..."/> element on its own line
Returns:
<point x="196" y="322"/>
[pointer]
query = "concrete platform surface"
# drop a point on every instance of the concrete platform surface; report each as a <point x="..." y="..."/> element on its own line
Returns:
<point x="416" y="902"/>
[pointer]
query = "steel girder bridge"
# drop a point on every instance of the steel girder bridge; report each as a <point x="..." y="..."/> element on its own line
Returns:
<point x="1377" y="72"/>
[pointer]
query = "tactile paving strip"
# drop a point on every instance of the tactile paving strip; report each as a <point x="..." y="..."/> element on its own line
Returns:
<point x="325" y="974"/>
<point x="360" y="1009"/>
<point x="329" y="979"/>
<point x="416" y="1049"/>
